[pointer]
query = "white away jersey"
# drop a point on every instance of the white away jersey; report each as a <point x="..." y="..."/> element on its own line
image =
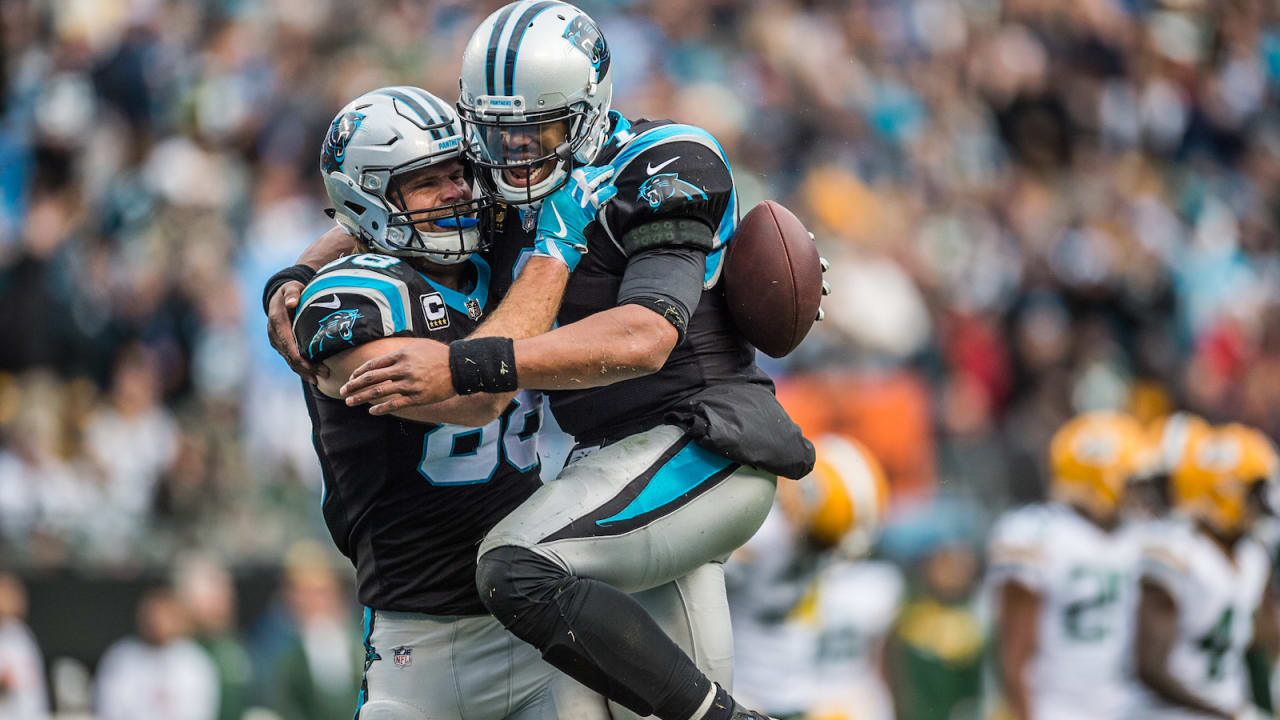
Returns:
<point x="856" y="604"/>
<point x="1216" y="597"/>
<point x="1086" y="578"/>
<point x="767" y="580"/>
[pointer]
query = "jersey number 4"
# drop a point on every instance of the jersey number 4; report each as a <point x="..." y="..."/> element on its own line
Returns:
<point x="457" y="455"/>
<point x="1217" y="642"/>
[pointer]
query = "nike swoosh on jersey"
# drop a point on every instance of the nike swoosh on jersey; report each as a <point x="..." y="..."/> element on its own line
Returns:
<point x="337" y="303"/>
<point x="651" y="169"/>
<point x="564" y="232"/>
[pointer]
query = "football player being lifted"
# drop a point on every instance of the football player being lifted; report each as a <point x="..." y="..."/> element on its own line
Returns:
<point x="1063" y="575"/>
<point x="408" y="496"/>
<point x="680" y="437"/>
<point x="1206" y="587"/>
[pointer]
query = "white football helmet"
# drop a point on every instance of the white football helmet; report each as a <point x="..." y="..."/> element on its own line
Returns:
<point x="385" y="134"/>
<point x="536" y="90"/>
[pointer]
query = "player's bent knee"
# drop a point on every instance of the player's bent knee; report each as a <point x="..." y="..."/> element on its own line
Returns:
<point x="518" y="586"/>
<point x="389" y="710"/>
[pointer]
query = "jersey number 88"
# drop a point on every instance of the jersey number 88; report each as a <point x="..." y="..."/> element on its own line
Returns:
<point x="457" y="455"/>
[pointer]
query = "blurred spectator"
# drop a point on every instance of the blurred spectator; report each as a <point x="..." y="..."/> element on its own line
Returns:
<point x="318" y="675"/>
<point x="936" y="652"/>
<point x="133" y="439"/>
<point x="209" y="598"/>
<point x="159" y="674"/>
<point x="23" y="695"/>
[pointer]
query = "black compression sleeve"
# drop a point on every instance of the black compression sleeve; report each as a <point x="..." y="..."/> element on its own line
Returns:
<point x="668" y="281"/>
<point x="296" y="273"/>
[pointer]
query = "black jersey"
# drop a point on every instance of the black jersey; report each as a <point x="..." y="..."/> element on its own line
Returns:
<point x="409" y="502"/>
<point x="666" y="174"/>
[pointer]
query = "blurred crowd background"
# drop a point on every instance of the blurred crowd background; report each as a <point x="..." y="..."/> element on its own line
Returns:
<point x="1033" y="208"/>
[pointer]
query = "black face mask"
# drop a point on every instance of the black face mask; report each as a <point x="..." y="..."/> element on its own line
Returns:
<point x="458" y="217"/>
<point x="517" y="151"/>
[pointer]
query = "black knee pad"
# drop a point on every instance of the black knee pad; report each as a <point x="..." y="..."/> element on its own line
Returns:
<point x="517" y="584"/>
<point x="540" y="603"/>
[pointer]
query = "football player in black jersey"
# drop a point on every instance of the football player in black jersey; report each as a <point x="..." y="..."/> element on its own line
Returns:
<point x="679" y="434"/>
<point x="408" y="496"/>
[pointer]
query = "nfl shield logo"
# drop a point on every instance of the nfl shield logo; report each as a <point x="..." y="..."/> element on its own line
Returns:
<point x="403" y="656"/>
<point x="473" y="309"/>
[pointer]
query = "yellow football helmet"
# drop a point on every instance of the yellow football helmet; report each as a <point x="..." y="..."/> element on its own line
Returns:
<point x="1167" y="440"/>
<point x="845" y="497"/>
<point x="1092" y="458"/>
<point x="1169" y="437"/>
<point x="1219" y="472"/>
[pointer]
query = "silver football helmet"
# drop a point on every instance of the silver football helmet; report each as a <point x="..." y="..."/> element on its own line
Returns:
<point x="380" y="139"/>
<point x="536" y="90"/>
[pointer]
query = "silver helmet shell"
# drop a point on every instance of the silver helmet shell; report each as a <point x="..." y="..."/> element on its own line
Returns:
<point x="529" y="65"/>
<point x="383" y="134"/>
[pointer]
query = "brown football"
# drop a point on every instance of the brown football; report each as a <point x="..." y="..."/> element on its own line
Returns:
<point x="773" y="279"/>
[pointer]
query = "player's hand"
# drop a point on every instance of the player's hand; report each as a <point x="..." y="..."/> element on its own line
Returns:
<point x="280" y="332"/>
<point x="416" y="374"/>
<point x="566" y="213"/>
<point x="826" y="286"/>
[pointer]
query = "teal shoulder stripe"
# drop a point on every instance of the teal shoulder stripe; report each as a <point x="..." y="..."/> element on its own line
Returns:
<point x="458" y="300"/>
<point x="729" y="220"/>
<point x="649" y="138"/>
<point x="335" y="282"/>
<point x="688" y="469"/>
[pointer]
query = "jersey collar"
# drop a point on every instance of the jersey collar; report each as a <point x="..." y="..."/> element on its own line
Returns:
<point x="479" y="291"/>
<point x="620" y="127"/>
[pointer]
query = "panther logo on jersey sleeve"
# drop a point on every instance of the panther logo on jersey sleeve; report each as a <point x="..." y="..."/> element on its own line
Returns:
<point x="660" y="188"/>
<point x="352" y="301"/>
<point x="335" y="326"/>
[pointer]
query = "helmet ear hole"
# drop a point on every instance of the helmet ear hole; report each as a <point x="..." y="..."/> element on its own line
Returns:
<point x="357" y="209"/>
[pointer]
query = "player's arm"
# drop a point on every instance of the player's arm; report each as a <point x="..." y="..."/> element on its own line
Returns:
<point x="531" y="303"/>
<point x="284" y="289"/>
<point x="471" y="411"/>
<point x="1018" y="559"/>
<point x="658" y="295"/>
<point x="356" y="310"/>
<point x="1020" y="609"/>
<point x="1157" y="629"/>
<point x="660" y="290"/>
<point x="529" y="308"/>
<point x="1266" y="628"/>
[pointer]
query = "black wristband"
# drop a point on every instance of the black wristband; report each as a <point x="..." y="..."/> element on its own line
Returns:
<point x="486" y="364"/>
<point x="297" y="273"/>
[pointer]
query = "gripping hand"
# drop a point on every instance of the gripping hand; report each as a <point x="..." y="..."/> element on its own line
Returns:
<point x="566" y="213"/>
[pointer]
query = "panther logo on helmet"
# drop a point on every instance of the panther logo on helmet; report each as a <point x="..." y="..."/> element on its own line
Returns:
<point x="335" y="143"/>
<point x="586" y="37"/>
<point x="334" y="326"/>
<point x="660" y="188"/>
